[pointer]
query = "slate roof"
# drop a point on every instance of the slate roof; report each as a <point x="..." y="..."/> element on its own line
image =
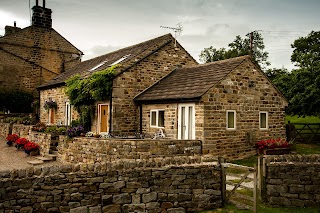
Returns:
<point x="190" y="83"/>
<point x="136" y="52"/>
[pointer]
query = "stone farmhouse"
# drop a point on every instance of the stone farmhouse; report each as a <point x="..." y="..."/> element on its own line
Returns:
<point x="32" y="56"/>
<point x="228" y="105"/>
<point x="142" y="65"/>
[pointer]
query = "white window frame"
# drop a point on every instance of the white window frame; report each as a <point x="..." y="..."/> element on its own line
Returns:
<point x="67" y="113"/>
<point x="267" y="120"/>
<point x="157" y="118"/>
<point x="235" y="120"/>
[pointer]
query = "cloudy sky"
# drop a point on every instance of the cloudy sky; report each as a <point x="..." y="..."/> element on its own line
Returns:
<point x="99" y="26"/>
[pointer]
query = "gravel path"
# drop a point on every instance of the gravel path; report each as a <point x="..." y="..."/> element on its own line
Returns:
<point x="11" y="158"/>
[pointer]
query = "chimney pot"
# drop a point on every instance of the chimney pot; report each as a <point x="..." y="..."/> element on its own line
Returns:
<point x="15" y="24"/>
<point x="37" y="2"/>
<point x="44" y="3"/>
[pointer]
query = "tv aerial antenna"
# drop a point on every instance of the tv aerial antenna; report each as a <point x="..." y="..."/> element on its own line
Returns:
<point x="177" y="31"/>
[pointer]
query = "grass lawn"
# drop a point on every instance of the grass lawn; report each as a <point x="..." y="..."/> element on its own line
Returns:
<point x="307" y="119"/>
<point x="264" y="209"/>
<point x="307" y="149"/>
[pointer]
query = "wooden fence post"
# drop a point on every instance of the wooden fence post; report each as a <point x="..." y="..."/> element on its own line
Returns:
<point x="223" y="181"/>
<point x="255" y="199"/>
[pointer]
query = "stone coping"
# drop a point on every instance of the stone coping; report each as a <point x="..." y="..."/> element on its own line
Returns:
<point x="292" y="159"/>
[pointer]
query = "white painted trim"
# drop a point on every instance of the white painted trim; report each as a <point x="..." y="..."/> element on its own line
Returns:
<point x="157" y="118"/>
<point x="99" y="116"/>
<point x="193" y="133"/>
<point x="67" y="116"/>
<point x="235" y="120"/>
<point x="267" y="120"/>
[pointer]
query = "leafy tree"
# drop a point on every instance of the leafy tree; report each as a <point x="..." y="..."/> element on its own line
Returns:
<point x="305" y="93"/>
<point x="239" y="47"/>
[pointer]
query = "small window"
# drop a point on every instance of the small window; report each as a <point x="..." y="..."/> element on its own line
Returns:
<point x="99" y="65"/>
<point x="121" y="59"/>
<point x="157" y="118"/>
<point x="263" y="120"/>
<point x="231" y="119"/>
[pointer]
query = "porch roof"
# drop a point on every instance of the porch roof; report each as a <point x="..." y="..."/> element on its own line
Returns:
<point x="191" y="82"/>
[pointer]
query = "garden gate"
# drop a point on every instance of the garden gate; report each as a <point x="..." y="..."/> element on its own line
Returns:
<point x="239" y="185"/>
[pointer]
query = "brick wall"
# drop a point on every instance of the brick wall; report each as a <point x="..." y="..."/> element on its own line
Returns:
<point x="92" y="150"/>
<point x="57" y="94"/>
<point x="33" y="56"/>
<point x="293" y="180"/>
<point x="111" y="188"/>
<point x="129" y="84"/>
<point x="234" y="93"/>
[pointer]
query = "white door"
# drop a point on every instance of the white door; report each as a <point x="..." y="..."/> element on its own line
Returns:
<point x="186" y="122"/>
<point x="67" y="114"/>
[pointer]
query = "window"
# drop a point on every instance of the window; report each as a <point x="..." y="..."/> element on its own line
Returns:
<point x="231" y="119"/>
<point x="263" y="120"/>
<point x="67" y="114"/>
<point x="99" y="65"/>
<point x="157" y="118"/>
<point x="121" y="59"/>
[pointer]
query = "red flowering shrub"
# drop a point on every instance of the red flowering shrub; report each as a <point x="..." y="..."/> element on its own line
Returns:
<point x="21" y="142"/>
<point x="12" y="138"/>
<point x="272" y="143"/>
<point x="31" y="146"/>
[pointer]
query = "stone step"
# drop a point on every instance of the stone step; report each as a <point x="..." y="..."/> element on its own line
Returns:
<point x="35" y="162"/>
<point x="45" y="158"/>
<point x="53" y="156"/>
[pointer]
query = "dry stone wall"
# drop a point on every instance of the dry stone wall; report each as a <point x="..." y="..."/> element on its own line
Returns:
<point x="21" y="130"/>
<point x="111" y="188"/>
<point x="293" y="180"/>
<point x="5" y="129"/>
<point x="42" y="139"/>
<point x="92" y="150"/>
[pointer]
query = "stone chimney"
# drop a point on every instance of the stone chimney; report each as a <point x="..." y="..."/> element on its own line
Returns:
<point x="41" y="15"/>
<point x="10" y="30"/>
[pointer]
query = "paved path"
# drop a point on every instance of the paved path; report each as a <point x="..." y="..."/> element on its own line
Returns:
<point x="11" y="158"/>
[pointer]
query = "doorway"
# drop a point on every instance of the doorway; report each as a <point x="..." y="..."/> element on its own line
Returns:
<point x="186" y="122"/>
<point x="103" y="112"/>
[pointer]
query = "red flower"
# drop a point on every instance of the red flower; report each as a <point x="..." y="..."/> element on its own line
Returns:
<point x="21" y="141"/>
<point x="272" y="143"/>
<point x="31" y="146"/>
<point x="12" y="137"/>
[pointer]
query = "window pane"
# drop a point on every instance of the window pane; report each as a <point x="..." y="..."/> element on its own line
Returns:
<point x="230" y="119"/>
<point x="183" y="123"/>
<point x="153" y="118"/>
<point x="161" y="119"/>
<point x="190" y="122"/>
<point x="263" y="120"/>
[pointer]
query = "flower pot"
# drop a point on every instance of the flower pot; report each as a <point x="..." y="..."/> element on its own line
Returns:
<point x="27" y="152"/>
<point x="276" y="151"/>
<point x="9" y="143"/>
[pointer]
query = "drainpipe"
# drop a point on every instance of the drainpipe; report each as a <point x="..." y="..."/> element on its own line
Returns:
<point x="140" y="119"/>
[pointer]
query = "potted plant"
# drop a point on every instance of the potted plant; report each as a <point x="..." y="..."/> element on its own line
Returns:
<point x="50" y="104"/>
<point x="31" y="147"/>
<point x="11" y="138"/>
<point x="21" y="142"/>
<point x="273" y="146"/>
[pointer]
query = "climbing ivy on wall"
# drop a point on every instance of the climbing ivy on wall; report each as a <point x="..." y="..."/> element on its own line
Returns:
<point x="84" y="92"/>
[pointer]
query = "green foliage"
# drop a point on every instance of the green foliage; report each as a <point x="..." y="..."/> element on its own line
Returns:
<point x="84" y="92"/>
<point x="16" y="101"/>
<point x="62" y="129"/>
<point x="238" y="47"/>
<point x="51" y="129"/>
<point x="306" y="119"/>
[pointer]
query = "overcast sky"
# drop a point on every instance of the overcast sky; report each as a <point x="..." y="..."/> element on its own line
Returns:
<point x="99" y="26"/>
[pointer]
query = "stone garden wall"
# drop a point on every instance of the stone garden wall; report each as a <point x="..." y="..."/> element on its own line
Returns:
<point x="4" y="129"/>
<point x="112" y="187"/>
<point x="42" y="139"/>
<point x="21" y="130"/>
<point x="293" y="180"/>
<point x="92" y="150"/>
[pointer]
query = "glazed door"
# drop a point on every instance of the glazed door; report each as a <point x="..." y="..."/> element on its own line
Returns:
<point x="186" y="122"/>
<point x="104" y="118"/>
<point x="67" y="114"/>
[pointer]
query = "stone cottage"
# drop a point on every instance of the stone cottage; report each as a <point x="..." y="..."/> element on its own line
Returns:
<point x="32" y="56"/>
<point x="228" y="105"/>
<point x="142" y="65"/>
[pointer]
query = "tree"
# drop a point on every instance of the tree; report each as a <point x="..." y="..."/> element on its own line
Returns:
<point x="305" y="94"/>
<point x="238" y="47"/>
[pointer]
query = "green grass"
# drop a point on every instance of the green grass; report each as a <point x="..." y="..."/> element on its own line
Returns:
<point x="307" y="119"/>
<point x="307" y="149"/>
<point x="247" y="162"/>
<point x="264" y="209"/>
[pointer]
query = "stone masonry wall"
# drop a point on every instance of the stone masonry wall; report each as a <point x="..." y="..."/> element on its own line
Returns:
<point x="4" y="129"/>
<point x="129" y="84"/>
<point x="57" y="94"/>
<point x="170" y="120"/>
<point x="92" y="150"/>
<point x="293" y="180"/>
<point x="111" y="188"/>
<point x="42" y="139"/>
<point x="21" y="130"/>
<point x="33" y="56"/>
<point x="234" y="93"/>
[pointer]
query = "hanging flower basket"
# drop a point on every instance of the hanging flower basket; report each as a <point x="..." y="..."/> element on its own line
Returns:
<point x="50" y="104"/>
